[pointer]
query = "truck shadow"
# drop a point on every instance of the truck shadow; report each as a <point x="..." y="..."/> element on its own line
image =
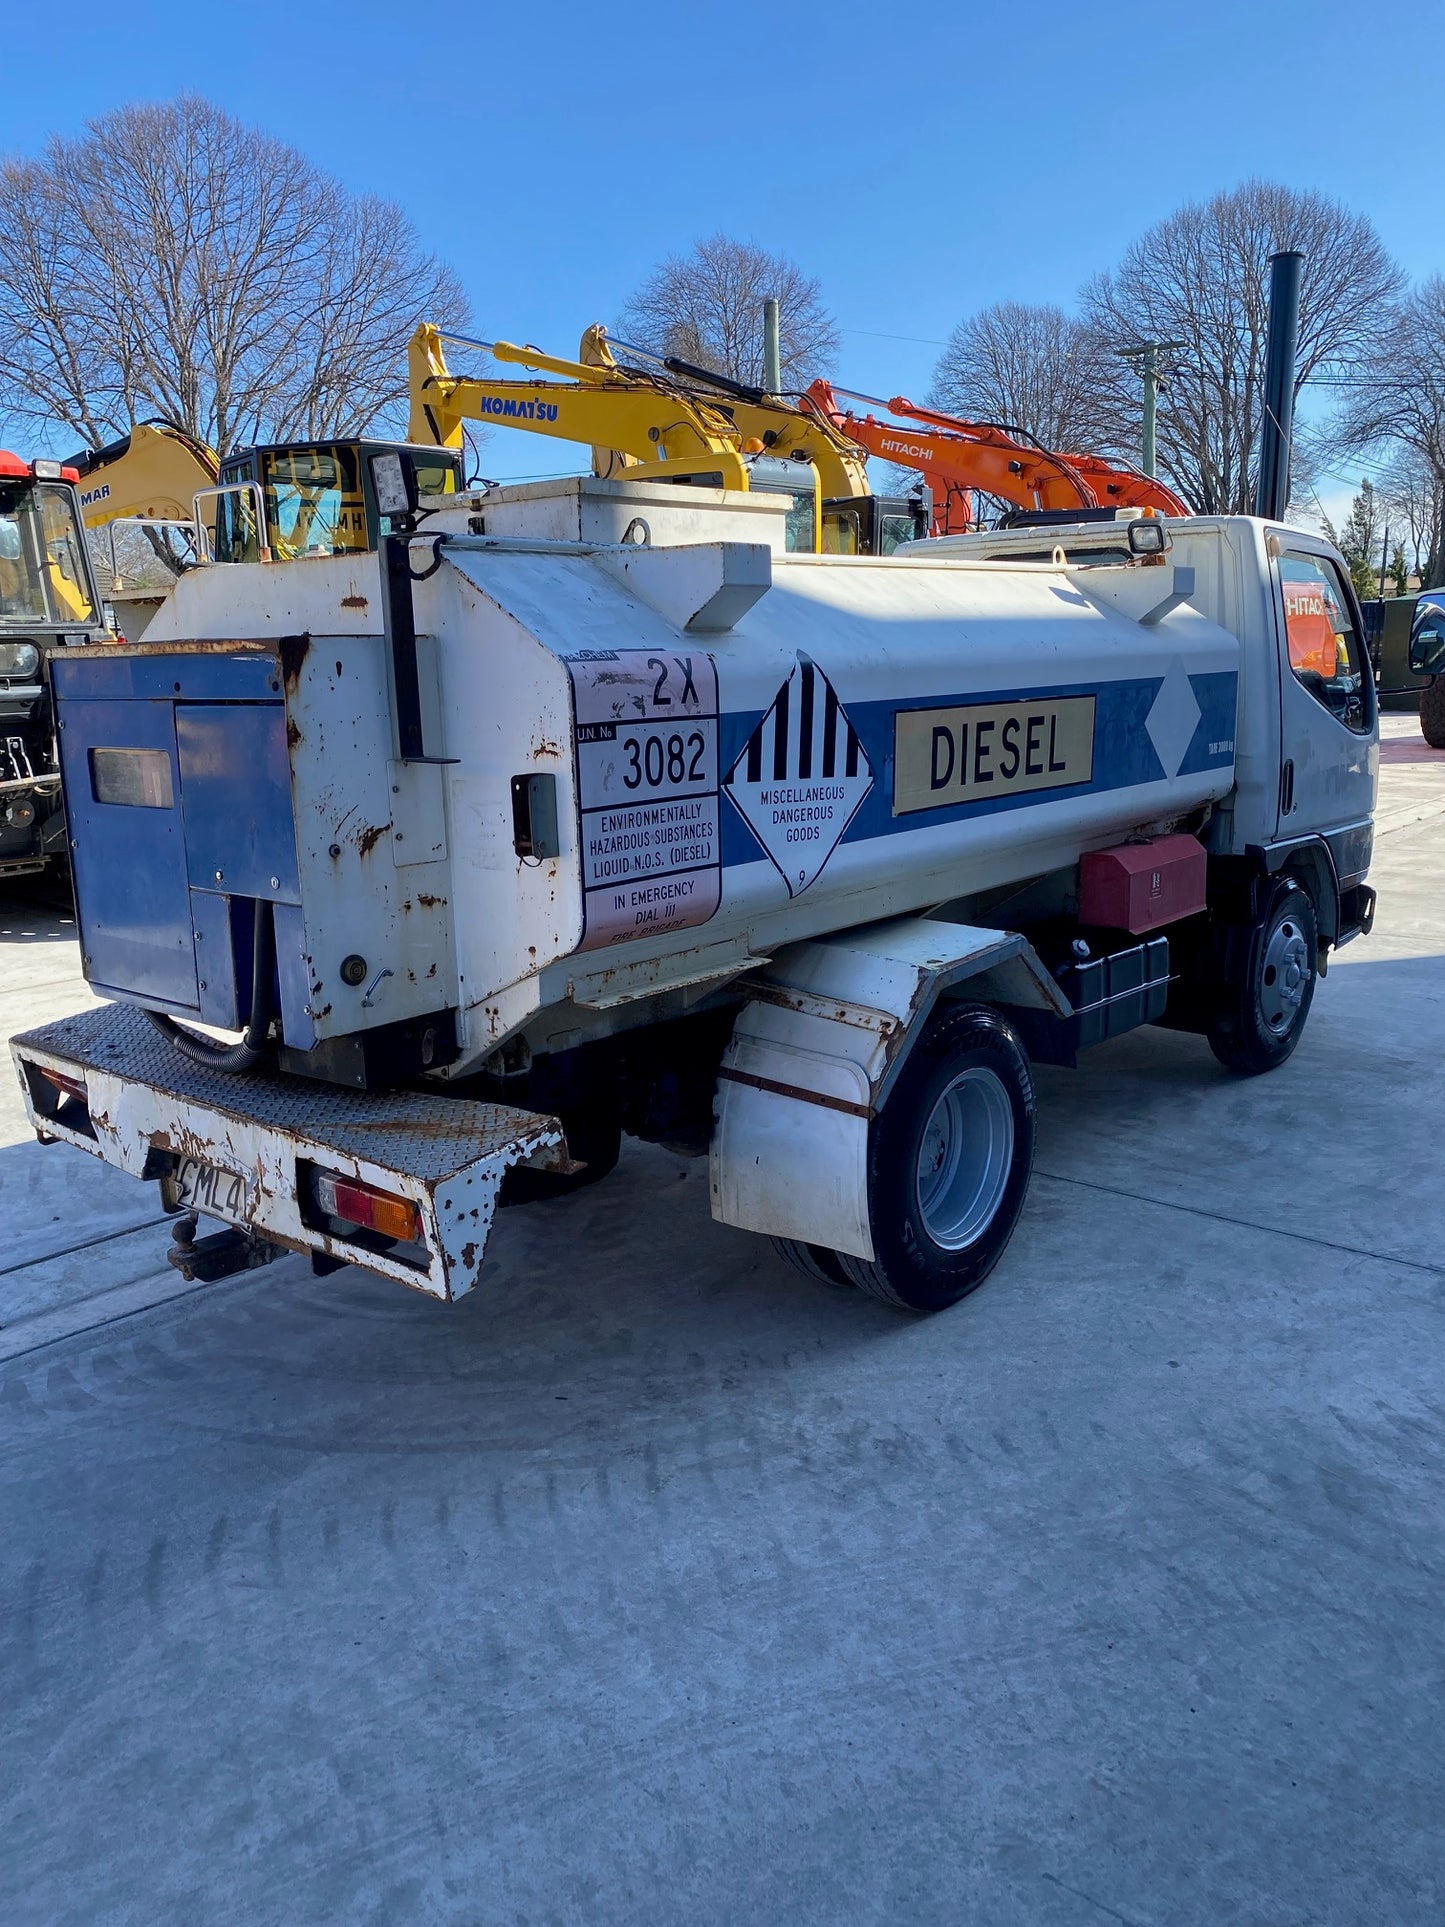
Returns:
<point x="36" y="912"/>
<point x="626" y="1303"/>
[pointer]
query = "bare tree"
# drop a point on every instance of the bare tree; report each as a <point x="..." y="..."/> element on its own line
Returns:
<point x="707" y="306"/>
<point x="1201" y="278"/>
<point x="1033" y="368"/>
<point x="1360" y="535"/>
<point x="174" y="262"/>
<point x="1414" y="496"/>
<point x="1402" y="402"/>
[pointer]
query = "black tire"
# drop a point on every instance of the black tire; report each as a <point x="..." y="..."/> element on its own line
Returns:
<point x="596" y="1142"/>
<point x="1261" y="1011"/>
<point x="583" y="1091"/>
<point x="975" y="1054"/>
<point x="814" y="1261"/>
<point x="1432" y="713"/>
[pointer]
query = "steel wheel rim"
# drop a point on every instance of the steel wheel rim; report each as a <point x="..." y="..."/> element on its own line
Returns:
<point x="964" y="1158"/>
<point x="1284" y="976"/>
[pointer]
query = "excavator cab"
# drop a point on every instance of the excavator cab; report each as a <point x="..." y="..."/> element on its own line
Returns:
<point x="875" y="524"/>
<point x="840" y="524"/>
<point x="316" y="497"/>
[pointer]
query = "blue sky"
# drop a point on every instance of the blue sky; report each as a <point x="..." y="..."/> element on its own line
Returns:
<point x="921" y="161"/>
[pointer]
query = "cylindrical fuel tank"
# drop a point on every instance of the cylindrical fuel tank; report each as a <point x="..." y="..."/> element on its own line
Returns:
<point x="738" y="763"/>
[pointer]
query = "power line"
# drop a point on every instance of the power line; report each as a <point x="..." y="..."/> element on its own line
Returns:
<point x="923" y="341"/>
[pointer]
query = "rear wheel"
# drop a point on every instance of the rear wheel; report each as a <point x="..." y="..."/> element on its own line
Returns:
<point x="949" y="1158"/>
<point x="1262" y="1010"/>
<point x="1432" y="713"/>
<point x="814" y="1261"/>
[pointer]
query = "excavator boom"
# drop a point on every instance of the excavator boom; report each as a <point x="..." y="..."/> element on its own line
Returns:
<point x="598" y="404"/>
<point x="645" y="424"/>
<point x="958" y="458"/>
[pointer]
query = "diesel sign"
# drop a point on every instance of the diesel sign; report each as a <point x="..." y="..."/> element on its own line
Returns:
<point x="965" y="755"/>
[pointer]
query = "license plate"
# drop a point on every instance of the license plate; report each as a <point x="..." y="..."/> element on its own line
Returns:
<point x="201" y="1187"/>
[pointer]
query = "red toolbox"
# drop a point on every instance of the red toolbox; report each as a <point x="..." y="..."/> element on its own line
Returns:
<point x="1143" y="886"/>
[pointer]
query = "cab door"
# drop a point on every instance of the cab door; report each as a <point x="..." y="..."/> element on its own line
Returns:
<point x="1329" y="742"/>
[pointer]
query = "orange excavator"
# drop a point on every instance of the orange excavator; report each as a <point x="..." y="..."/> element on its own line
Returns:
<point x="959" y="459"/>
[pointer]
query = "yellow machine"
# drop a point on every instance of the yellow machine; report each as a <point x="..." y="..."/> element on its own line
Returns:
<point x="152" y="474"/>
<point x="651" y="426"/>
<point x="278" y="502"/>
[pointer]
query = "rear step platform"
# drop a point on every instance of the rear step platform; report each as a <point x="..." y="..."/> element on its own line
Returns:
<point x="247" y="1149"/>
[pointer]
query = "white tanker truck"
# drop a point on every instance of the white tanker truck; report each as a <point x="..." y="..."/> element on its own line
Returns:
<point x="586" y="809"/>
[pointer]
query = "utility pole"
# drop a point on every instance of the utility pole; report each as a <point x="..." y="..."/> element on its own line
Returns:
<point x="1147" y="354"/>
<point x="1384" y="558"/>
<point x="772" y="348"/>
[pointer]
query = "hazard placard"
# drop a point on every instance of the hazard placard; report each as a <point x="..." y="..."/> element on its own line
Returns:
<point x="647" y="792"/>
<point x="801" y="777"/>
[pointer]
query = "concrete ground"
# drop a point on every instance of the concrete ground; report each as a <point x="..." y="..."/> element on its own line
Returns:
<point x="1113" y="1595"/>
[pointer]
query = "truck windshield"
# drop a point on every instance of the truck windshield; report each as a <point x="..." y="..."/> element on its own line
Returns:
<point x="44" y="569"/>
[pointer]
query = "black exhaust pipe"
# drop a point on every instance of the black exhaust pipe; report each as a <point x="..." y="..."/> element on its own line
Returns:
<point x="1271" y="494"/>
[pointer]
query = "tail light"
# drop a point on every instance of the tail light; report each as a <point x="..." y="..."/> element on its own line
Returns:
<point x="365" y="1205"/>
<point x="62" y="1083"/>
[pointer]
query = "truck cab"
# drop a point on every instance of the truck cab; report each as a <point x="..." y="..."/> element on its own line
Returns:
<point x="48" y="601"/>
<point x="1306" y="753"/>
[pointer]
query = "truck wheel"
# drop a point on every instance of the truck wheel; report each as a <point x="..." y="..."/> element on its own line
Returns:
<point x="949" y="1158"/>
<point x="814" y="1261"/>
<point x="1260" y="1015"/>
<point x="1432" y="713"/>
<point x="595" y="1140"/>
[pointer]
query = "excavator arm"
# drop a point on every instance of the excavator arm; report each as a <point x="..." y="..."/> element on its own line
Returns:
<point x="958" y="457"/>
<point x="663" y="431"/>
<point x="153" y="472"/>
<point x="959" y="460"/>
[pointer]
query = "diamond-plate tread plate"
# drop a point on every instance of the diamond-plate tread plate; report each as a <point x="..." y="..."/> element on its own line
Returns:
<point x="429" y="1137"/>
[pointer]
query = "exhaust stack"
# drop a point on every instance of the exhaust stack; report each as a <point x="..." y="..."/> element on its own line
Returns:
<point x="1271" y="495"/>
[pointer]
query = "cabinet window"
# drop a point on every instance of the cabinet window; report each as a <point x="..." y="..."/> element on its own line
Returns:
<point x="1325" y="654"/>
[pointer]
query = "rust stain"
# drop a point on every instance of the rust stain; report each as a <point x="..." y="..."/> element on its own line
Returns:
<point x="469" y="1256"/>
<point x="293" y="732"/>
<point x="546" y="747"/>
<point x="293" y="651"/>
<point x="352" y="601"/>
<point x="430" y="903"/>
<point x="433" y="971"/>
<point x="370" y="837"/>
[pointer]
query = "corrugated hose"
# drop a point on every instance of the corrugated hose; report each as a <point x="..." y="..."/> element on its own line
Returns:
<point x="252" y="1048"/>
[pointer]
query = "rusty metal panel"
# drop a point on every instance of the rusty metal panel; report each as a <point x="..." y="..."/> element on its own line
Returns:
<point x="143" y="1098"/>
<point x="371" y="842"/>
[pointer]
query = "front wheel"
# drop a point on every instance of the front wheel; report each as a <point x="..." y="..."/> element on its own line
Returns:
<point x="949" y="1158"/>
<point x="1262" y="1007"/>
<point x="1432" y="713"/>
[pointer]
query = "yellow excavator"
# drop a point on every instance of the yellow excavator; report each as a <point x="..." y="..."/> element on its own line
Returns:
<point x="656" y="423"/>
<point x="157" y="502"/>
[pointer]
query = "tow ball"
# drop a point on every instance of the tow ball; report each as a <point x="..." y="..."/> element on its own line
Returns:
<point x="222" y="1255"/>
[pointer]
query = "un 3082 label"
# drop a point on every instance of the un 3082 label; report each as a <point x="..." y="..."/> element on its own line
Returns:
<point x="647" y="790"/>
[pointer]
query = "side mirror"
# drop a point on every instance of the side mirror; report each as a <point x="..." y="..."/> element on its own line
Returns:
<point x="1427" y="646"/>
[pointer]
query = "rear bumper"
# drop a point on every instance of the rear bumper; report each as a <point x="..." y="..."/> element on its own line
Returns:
<point x="146" y="1108"/>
